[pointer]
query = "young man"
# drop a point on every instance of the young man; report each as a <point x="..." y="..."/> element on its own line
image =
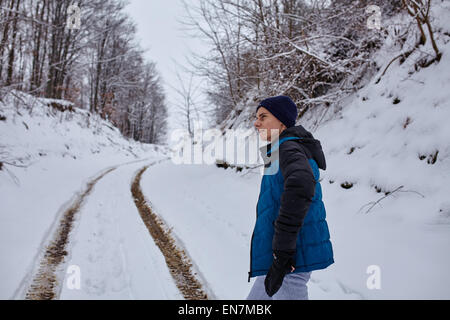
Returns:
<point x="291" y="236"/>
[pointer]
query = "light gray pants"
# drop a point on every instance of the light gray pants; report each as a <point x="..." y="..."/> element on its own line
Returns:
<point x="293" y="288"/>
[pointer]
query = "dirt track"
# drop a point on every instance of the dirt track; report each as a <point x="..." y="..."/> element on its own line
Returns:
<point x="45" y="282"/>
<point x="176" y="259"/>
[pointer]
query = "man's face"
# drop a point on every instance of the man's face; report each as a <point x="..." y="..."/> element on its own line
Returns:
<point x="268" y="126"/>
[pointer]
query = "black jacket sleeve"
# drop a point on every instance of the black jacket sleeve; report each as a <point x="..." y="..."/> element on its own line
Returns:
<point x="299" y="188"/>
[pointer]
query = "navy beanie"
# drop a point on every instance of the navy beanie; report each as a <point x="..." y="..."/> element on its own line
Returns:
<point x="282" y="107"/>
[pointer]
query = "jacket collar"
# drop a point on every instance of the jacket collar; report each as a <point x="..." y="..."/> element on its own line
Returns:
<point x="267" y="151"/>
<point x="307" y="140"/>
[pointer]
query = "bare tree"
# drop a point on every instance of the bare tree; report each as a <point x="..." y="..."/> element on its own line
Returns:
<point x="187" y="105"/>
<point x="314" y="51"/>
<point x="420" y="11"/>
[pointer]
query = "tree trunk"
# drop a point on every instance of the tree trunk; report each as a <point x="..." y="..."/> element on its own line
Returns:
<point x="9" y="78"/>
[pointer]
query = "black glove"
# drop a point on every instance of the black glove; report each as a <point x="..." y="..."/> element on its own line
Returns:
<point x="283" y="263"/>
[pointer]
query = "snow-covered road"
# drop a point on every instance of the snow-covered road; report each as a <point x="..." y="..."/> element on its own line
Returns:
<point x="115" y="254"/>
<point x="211" y="212"/>
<point x="109" y="243"/>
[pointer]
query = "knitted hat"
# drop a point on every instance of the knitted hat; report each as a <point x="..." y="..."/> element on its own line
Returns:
<point x="282" y="107"/>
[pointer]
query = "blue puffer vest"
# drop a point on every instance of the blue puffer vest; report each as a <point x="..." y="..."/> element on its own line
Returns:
<point x="314" y="250"/>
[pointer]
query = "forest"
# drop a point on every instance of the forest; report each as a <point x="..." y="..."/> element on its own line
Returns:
<point x="84" y="52"/>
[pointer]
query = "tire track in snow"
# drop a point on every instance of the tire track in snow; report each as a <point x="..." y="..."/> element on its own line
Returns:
<point x="176" y="258"/>
<point x="45" y="283"/>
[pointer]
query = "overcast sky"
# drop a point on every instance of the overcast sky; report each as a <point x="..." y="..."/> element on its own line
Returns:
<point x="166" y="41"/>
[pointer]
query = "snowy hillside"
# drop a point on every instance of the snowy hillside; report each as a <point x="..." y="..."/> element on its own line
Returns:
<point x="32" y="130"/>
<point x="391" y="145"/>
